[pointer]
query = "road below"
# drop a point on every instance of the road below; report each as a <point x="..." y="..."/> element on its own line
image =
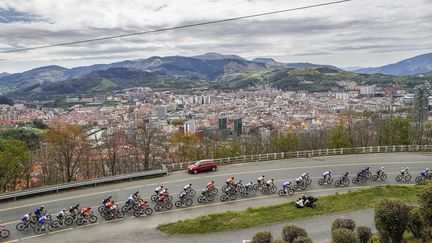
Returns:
<point x="279" y="170"/>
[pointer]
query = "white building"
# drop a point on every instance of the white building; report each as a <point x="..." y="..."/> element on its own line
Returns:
<point x="342" y="96"/>
<point x="367" y="89"/>
<point x="189" y="127"/>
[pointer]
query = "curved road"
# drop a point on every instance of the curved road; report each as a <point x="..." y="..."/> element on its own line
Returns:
<point x="143" y="228"/>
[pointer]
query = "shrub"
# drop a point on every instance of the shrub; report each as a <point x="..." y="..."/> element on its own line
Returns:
<point x="426" y="204"/>
<point x="291" y="232"/>
<point x="341" y="223"/>
<point x="278" y="241"/>
<point x="364" y="234"/>
<point x="262" y="237"/>
<point x="343" y="235"/>
<point x="302" y="239"/>
<point x="391" y="217"/>
<point x="415" y="224"/>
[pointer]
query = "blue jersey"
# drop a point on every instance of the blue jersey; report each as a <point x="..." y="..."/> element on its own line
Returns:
<point x="42" y="220"/>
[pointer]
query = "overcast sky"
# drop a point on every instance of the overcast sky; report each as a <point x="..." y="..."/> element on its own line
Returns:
<point x="357" y="33"/>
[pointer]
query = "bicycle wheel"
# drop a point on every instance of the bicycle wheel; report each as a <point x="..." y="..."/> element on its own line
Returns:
<point x="119" y="214"/>
<point x="68" y="220"/>
<point x="93" y="219"/>
<point x="192" y="192"/>
<point x="154" y="197"/>
<point x="210" y="198"/>
<point x="21" y="226"/>
<point x="419" y="179"/>
<point x="157" y="208"/>
<point x="383" y="177"/>
<point x="363" y="179"/>
<point x="125" y="208"/>
<point x="355" y="180"/>
<point x="214" y="191"/>
<point x="309" y="181"/>
<point x="200" y="199"/>
<point x="168" y="206"/>
<point x="148" y="211"/>
<point x="189" y="202"/>
<point x="320" y="181"/>
<point x="375" y="177"/>
<point x="398" y="178"/>
<point x="265" y="190"/>
<point x="337" y="183"/>
<point x="55" y="224"/>
<point x="252" y="191"/>
<point x="223" y="198"/>
<point x="281" y="192"/>
<point x="4" y="233"/>
<point x="233" y="197"/>
<point x="137" y="213"/>
<point x="80" y="221"/>
<point x="38" y="230"/>
<point x="407" y="177"/>
<point x="273" y="189"/>
<point x="101" y="209"/>
<point x="346" y="182"/>
<point x="178" y="203"/>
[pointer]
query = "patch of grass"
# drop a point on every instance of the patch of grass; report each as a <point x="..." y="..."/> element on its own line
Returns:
<point x="251" y="217"/>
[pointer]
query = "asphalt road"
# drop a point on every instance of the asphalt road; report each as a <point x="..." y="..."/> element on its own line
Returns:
<point x="279" y="170"/>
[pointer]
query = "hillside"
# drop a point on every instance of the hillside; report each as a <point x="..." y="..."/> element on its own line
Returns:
<point x="421" y="64"/>
<point x="209" y="66"/>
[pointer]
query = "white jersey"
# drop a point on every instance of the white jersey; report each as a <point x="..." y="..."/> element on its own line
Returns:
<point x="269" y="182"/>
<point x="299" y="179"/>
<point x="260" y="178"/>
<point x="131" y="198"/>
<point x="305" y="175"/>
<point x="186" y="187"/>
<point x="326" y="173"/>
<point x="158" y="189"/>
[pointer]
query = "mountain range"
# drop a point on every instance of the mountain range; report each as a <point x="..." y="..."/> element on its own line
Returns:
<point x="207" y="70"/>
<point x="421" y="64"/>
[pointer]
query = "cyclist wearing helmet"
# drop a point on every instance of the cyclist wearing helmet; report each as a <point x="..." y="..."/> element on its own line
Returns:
<point x="188" y="187"/>
<point x="424" y="172"/>
<point x="61" y="215"/>
<point x="380" y="171"/>
<point x="39" y="211"/>
<point x="269" y="183"/>
<point x="230" y="181"/>
<point x="261" y="179"/>
<point x="286" y="185"/>
<point x="210" y="184"/>
<point x="26" y="217"/>
<point x="159" y="189"/>
<point x="299" y="180"/>
<point x="305" y="175"/>
<point x="326" y="174"/>
<point x="404" y="170"/>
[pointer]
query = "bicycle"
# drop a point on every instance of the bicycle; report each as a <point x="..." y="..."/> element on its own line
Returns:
<point x="403" y="177"/>
<point x="328" y="180"/>
<point x="4" y="233"/>
<point x="287" y="191"/>
<point x="343" y="181"/>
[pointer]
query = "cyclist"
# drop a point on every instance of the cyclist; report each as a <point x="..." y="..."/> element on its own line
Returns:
<point x="26" y="217"/>
<point x="205" y="192"/>
<point x="404" y="170"/>
<point x="249" y="185"/>
<point x="75" y="210"/>
<point x="305" y="175"/>
<point x="40" y="211"/>
<point x="61" y="215"/>
<point x="230" y="181"/>
<point x="187" y="188"/>
<point x="365" y="170"/>
<point x="210" y="184"/>
<point x="345" y="175"/>
<point x="380" y="171"/>
<point x="86" y="212"/>
<point x="159" y="189"/>
<point x="42" y="221"/>
<point x="286" y="185"/>
<point x="299" y="180"/>
<point x="261" y="179"/>
<point x="424" y="172"/>
<point x="270" y="183"/>
<point x="326" y="174"/>
<point x="183" y="195"/>
<point x="238" y="183"/>
<point x="107" y="200"/>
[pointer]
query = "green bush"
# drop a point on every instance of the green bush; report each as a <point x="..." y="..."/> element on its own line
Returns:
<point x="302" y="240"/>
<point x="391" y="217"/>
<point x="415" y="223"/>
<point x="262" y="237"/>
<point x="278" y="241"/>
<point x="341" y="223"/>
<point x="343" y="235"/>
<point x="291" y="232"/>
<point x="425" y="199"/>
<point x="364" y="234"/>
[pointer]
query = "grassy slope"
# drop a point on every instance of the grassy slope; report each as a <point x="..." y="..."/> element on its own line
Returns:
<point x="361" y="199"/>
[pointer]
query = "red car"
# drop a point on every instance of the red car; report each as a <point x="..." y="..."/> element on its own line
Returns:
<point x="203" y="165"/>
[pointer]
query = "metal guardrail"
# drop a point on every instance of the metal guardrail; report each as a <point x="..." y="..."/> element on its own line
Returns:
<point x="95" y="182"/>
<point x="310" y="153"/>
